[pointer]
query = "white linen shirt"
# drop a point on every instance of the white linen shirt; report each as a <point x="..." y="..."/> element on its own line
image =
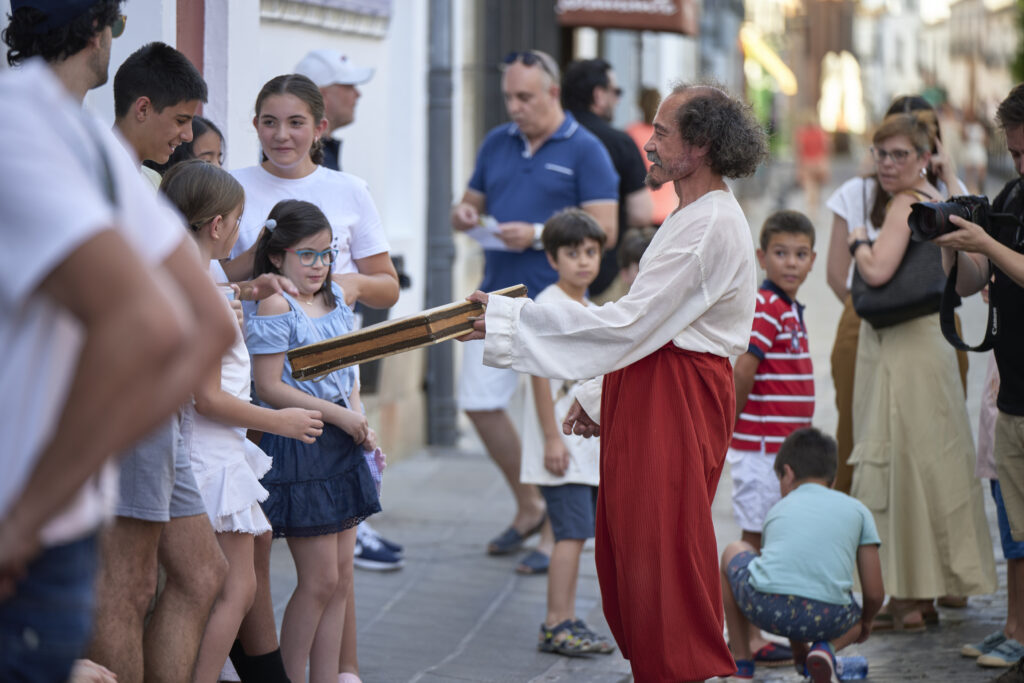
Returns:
<point x="696" y="288"/>
<point x="584" y="454"/>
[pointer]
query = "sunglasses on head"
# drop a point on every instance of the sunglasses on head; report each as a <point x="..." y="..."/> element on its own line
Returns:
<point x="528" y="58"/>
<point x="117" y="28"/>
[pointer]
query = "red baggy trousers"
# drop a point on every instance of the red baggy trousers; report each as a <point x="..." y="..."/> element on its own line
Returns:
<point x="666" y="421"/>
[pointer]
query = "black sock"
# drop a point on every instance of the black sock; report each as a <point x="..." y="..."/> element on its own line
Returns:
<point x="268" y="668"/>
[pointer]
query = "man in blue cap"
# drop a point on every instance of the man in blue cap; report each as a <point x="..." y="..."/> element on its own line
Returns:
<point x="102" y="298"/>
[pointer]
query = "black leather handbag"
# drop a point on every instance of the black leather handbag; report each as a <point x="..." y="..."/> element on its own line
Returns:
<point x="914" y="290"/>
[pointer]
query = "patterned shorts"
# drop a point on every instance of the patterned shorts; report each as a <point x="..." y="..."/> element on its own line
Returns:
<point x="790" y="616"/>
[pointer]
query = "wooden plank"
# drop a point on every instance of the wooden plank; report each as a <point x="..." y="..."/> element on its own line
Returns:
<point x="388" y="338"/>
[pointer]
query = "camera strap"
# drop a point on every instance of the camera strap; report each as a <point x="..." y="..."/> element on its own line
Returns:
<point x="947" y="320"/>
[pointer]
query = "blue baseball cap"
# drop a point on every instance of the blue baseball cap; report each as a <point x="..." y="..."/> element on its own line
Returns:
<point x="58" y="13"/>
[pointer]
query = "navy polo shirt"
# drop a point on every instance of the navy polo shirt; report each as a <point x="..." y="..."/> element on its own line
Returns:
<point x="570" y="169"/>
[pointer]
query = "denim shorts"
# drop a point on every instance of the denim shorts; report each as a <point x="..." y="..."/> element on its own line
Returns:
<point x="1012" y="550"/>
<point x="45" y="626"/>
<point x="572" y="509"/>
<point x="157" y="483"/>
<point x="790" y="616"/>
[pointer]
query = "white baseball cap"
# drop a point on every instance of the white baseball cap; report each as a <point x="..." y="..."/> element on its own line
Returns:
<point x="326" y="67"/>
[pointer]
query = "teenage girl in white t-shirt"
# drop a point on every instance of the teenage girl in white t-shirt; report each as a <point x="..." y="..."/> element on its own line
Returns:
<point x="289" y="122"/>
<point x="227" y="466"/>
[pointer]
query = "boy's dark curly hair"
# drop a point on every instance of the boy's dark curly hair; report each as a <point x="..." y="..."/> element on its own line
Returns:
<point x="737" y="143"/>
<point x="59" y="43"/>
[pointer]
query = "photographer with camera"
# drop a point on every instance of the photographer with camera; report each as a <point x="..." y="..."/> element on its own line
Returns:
<point x="915" y="473"/>
<point x="983" y="255"/>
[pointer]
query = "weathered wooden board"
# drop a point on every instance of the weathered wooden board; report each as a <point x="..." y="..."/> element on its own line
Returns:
<point x="390" y="337"/>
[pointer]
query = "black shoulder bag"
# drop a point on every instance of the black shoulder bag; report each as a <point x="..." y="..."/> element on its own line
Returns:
<point x="914" y="290"/>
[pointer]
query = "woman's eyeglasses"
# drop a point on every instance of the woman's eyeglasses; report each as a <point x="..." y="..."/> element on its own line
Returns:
<point x="309" y="257"/>
<point x="898" y="156"/>
<point x="528" y="58"/>
<point x="117" y="28"/>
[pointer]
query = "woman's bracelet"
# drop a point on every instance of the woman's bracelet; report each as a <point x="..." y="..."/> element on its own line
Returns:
<point x="856" y="244"/>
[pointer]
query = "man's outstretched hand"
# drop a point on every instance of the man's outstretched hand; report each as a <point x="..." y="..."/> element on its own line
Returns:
<point x="479" y="326"/>
<point x="578" y="422"/>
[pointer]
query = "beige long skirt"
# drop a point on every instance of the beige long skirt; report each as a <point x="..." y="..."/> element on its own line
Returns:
<point x="913" y="463"/>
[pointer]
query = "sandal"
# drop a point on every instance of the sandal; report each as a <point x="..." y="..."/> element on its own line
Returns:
<point x="563" y="640"/>
<point x="598" y="643"/>
<point x="885" y="621"/>
<point x="953" y="601"/>
<point x="774" y="654"/>
<point x="510" y="540"/>
<point x="535" y="562"/>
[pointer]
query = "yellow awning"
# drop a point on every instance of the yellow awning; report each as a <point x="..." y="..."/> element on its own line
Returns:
<point x="755" y="48"/>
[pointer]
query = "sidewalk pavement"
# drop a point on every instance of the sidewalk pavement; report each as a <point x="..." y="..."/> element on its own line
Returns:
<point x="455" y="614"/>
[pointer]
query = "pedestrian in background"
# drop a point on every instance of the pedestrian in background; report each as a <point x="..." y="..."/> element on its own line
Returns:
<point x="982" y="260"/>
<point x="526" y="171"/>
<point x="774" y="385"/>
<point x="590" y="92"/>
<point x="915" y="473"/>
<point x="337" y="77"/>
<point x="665" y="410"/>
<point x="91" y="259"/>
<point x="860" y="202"/>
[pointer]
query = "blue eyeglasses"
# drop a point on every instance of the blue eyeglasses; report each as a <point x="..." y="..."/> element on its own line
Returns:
<point x="309" y="257"/>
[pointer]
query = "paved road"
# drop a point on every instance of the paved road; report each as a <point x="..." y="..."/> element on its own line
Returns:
<point x="454" y="614"/>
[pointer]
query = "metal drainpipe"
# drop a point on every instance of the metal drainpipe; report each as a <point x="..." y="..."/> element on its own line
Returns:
<point x="440" y="381"/>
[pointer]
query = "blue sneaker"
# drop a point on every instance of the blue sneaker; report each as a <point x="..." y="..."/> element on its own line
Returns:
<point x="396" y="548"/>
<point x="1008" y="653"/>
<point x="990" y="642"/>
<point x="821" y="663"/>
<point x="372" y="555"/>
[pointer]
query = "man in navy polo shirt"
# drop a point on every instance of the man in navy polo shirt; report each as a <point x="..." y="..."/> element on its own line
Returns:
<point x="526" y="171"/>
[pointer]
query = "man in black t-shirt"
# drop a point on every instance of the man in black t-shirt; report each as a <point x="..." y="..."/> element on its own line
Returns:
<point x="981" y="259"/>
<point x="590" y="92"/>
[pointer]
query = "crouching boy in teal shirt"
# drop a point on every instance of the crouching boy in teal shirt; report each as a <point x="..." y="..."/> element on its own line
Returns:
<point x="800" y="586"/>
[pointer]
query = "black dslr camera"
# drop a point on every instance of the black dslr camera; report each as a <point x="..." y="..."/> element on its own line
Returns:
<point x="928" y="220"/>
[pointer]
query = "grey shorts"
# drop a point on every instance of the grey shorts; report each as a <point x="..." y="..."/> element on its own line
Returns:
<point x="157" y="483"/>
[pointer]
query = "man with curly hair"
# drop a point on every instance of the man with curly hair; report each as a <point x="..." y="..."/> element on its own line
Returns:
<point x="665" y="408"/>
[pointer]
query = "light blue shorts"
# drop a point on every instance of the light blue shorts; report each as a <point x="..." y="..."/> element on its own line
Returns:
<point x="157" y="483"/>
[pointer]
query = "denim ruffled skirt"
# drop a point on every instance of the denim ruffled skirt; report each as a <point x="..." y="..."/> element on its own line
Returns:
<point x="319" y="488"/>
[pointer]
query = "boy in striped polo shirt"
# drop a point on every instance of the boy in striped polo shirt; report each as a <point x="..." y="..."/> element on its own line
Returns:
<point x="774" y="384"/>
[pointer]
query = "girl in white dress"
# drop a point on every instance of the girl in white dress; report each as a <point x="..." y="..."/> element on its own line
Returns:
<point x="227" y="466"/>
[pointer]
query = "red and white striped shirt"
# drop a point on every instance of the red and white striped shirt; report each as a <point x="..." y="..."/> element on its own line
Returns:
<point x="782" y="397"/>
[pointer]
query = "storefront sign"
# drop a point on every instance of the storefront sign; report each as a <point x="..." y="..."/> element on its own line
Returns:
<point x="676" y="16"/>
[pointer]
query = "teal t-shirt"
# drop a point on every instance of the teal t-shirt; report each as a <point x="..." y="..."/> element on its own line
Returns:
<point x="809" y="545"/>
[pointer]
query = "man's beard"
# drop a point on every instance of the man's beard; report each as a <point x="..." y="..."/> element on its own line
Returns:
<point x="649" y="181"/>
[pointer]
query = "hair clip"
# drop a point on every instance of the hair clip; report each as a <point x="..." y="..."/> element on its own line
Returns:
<point x="270" y="224"/>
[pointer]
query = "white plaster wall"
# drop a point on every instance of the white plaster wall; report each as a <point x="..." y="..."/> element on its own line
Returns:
<point x="386" y="145"/>
<point x="147" y="21"/>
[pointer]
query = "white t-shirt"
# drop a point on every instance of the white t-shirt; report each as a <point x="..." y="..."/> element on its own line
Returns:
<point x="584" y="454"/>
<point x="696" y="288"/>
<point x="53" y="198"/>
<point x="343" y="198"/>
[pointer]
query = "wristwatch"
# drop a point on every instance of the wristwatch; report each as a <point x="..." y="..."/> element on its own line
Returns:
<point x="855" y="245"/>
<point x="538" y="230"/>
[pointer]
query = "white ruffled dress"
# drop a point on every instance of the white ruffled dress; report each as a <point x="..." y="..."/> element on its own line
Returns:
<point x="227" y="466"/>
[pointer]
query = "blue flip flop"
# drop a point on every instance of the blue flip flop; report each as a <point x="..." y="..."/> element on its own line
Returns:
<point x="535" y="562"/>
